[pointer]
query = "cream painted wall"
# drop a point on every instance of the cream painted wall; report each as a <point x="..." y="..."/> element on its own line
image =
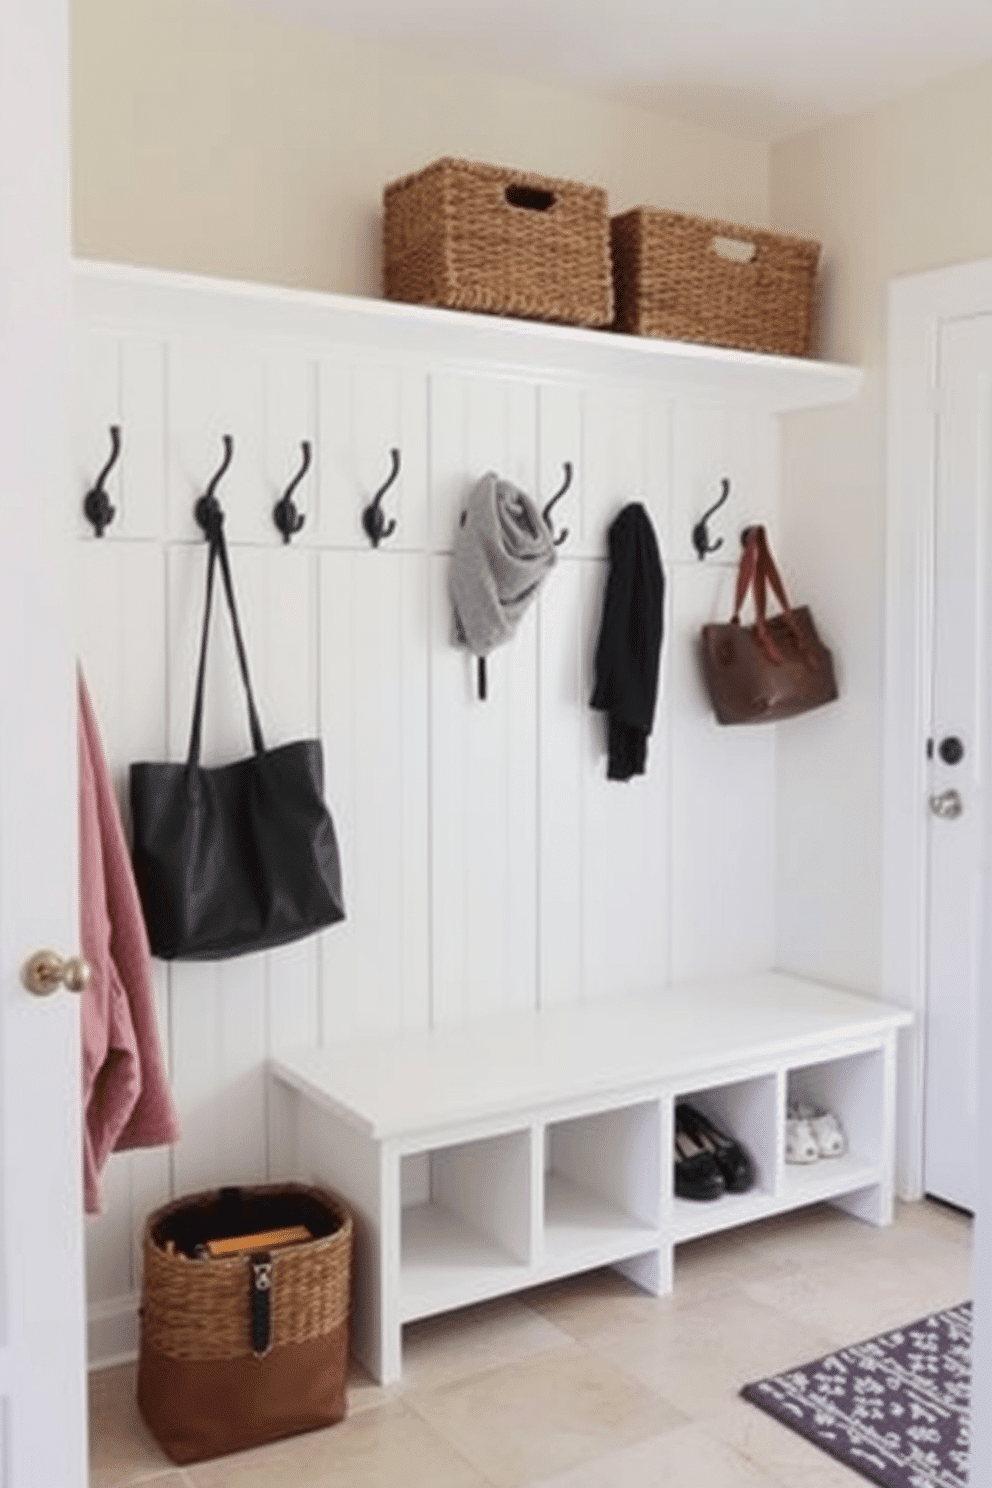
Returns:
<point x="900" y="190"/>
<point x="221" y="140"/>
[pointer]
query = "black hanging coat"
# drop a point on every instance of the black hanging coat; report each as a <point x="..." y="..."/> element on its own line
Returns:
<point x="629" y="646"/>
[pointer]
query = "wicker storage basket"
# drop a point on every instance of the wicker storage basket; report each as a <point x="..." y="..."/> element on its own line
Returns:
<point x="477" y="237"/>
<point x="242" y="1350"/>
<point x="697" y="280"/>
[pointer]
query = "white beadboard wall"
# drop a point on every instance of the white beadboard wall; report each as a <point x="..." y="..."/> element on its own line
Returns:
<point x="487" y="861"/>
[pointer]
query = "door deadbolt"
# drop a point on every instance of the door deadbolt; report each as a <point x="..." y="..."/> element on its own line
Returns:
<point x="951" y="750"/>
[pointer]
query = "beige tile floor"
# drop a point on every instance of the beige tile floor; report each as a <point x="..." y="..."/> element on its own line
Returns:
<point x="588" y="1383"/>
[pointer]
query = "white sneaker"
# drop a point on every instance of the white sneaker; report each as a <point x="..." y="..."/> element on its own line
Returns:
<point x="801" y="1145"/>
<point x="826" y="1129"/>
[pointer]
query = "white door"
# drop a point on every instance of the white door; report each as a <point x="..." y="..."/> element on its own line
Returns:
<point x="42" y="1398"/>
<point x="958" y="770"/>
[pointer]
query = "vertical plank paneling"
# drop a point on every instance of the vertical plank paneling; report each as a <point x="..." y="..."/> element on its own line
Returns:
<point x="97" y="405"/>
<point x="290" y="383"/>
<point x="218" y="1036"/>
<point x="484" y="813"/>
<point x="390" y="411"/>
<point x="374" y="724"/>
<point x="143" y="489"/>
<point x="624" y="434"/>
<point x="484" y="754"/>
<point x="660" y="415"/>
<point x="561" y="441"/>
<point x="626" y="901"/>
<point x="368" y="409"/>
<point x="218" y="388"/>
<point x="282" y="637"/>
<point x="221" y="1011"/>
<point x="338" y="500"/>
<point x="121" y="381"/>
<point x="340" y="579"/>
<point x="626" y="867"/>
<point x="488" y="863"/>
<point x="108" y="1235"/>
<point x="477" y="425"/>
<point x="723" y="798"/>
<point x="713" y="441"/>
<point x="563" y="696"/>
<point x="604" y="846"/>
<point x="723" y="804"/>
<point x="119" y="623"/>
<point x="450" y="474"/>
<point x="618" y="441"/>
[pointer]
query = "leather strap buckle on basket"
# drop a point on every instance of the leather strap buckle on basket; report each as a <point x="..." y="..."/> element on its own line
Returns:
<point x="774" y="669"/>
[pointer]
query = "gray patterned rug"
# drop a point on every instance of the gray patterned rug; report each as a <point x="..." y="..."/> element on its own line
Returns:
<point x="894" y="1409"/>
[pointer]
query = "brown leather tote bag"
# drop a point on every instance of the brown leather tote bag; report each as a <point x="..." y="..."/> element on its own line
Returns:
<point x="776" y="668"/>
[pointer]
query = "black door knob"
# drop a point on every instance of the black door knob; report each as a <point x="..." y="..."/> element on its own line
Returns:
<point x="951" y="750"/>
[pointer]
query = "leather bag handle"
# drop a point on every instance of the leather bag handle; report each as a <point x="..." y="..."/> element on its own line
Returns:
<point x="218" y="552"/>
<point x="750" y="574"/>
<point x="746" y="571"/>
<point x="758" y="569"/>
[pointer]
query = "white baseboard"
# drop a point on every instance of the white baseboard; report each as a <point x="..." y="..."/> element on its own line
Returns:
<point x="113" y="1332"/>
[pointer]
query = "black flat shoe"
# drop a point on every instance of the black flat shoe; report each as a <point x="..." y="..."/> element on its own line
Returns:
<point x="732" y="1160"/>
<point x="696" y="1173"/>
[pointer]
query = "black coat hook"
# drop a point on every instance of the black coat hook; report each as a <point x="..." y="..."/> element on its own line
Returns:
<point x="700" y="533"/>
<point x="284" y="513"/>
<point x="208" y="511"/>
<point x="96" y="503"/>
<point x="372" y="517"/>
<point x="546" y="513"/>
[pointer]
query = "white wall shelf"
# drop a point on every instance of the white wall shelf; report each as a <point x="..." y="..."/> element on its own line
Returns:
<point x="486" y="1158"/>
<point x="111" y="293"/>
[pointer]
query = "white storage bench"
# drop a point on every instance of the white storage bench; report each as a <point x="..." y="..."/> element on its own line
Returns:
<point x="480" y="1159"/>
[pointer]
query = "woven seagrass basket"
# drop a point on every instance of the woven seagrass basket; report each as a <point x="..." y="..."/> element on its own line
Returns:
<point x="240" y="1350"/>
<point x="477" y="237"/>
<point x="694" y="279"/>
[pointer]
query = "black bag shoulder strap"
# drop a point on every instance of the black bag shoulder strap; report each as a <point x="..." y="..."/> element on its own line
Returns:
<point x="218" y="552"/>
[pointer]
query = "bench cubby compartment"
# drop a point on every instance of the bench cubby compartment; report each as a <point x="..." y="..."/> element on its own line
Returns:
<point x="466" y="1223"/>
<point x="602" y="1186"/>
<point x="747" y="1110"/>
<point x="858" y="1089"/>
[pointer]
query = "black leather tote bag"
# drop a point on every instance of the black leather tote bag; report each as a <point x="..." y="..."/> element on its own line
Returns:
<point x="240" y="857"/>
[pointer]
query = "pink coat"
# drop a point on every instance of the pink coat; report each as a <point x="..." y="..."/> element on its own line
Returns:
<point x="126" y="1097"/>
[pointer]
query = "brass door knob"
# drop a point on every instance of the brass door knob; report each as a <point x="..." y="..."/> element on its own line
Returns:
<point x="46" y="972"/>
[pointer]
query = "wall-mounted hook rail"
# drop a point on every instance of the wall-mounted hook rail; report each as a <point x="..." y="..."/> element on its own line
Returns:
<point x="373" y="519"/>
<point x="285" y="514"/>
<point x="96" y="503"/>
<point x="208" y="511"/>
<point x="546" y="513"/>
<point x="700" y="533"/>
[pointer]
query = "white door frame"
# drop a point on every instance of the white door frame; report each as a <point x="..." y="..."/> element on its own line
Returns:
<point x="918" y="306"/>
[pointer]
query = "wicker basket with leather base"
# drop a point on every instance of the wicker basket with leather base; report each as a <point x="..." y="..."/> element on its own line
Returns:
<point x="696" y="279"/>
<point x="248" y="1348"/>
<point x="463" y="236"/>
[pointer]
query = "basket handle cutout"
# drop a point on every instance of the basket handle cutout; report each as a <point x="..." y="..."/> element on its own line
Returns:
<point x="734" y="250"/>
<point x="531" y="198"/>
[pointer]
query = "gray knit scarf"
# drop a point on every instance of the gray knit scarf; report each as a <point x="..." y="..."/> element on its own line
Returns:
<point x="503" y="551"/>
